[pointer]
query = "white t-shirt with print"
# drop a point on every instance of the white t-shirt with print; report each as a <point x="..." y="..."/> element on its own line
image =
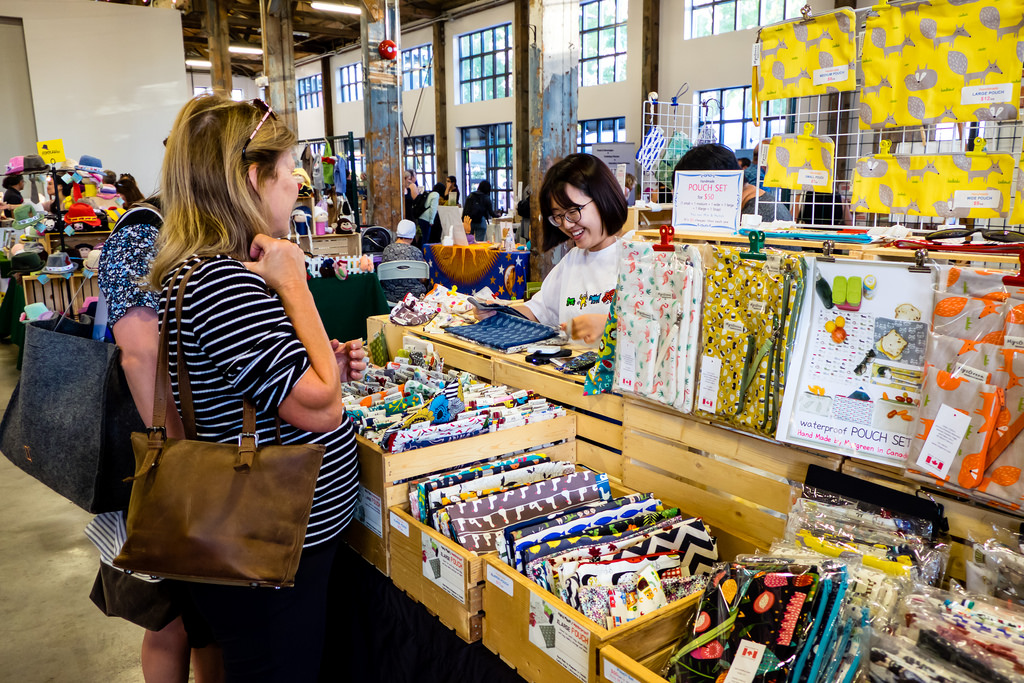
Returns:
<point x="582" y="282"/>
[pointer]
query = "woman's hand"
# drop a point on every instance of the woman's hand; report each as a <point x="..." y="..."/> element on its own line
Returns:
<point x="351" y="359"/>
<point x="588" y="327"/>
<point x="279" y="262"/>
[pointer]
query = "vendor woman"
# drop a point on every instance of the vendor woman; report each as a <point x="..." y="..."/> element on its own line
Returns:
<point x="580" y="201"/>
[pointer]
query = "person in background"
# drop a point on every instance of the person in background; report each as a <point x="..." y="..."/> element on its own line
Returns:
<point x="13" y="185"/>
<point x="630" y="189"/>
<point x="402" y="249"/>
<point x="249" y="328"/>
<point x="414" y="197"/>
<point x="428" y="223"/>
<point x="109" y="178"/>
<point x="451" y="195"/>
<point x="744" y="163"/>
<point x="132" y="317"/>
<point x="715" y="157"/>
<point x="580" y="201"/>
<point x="478" y="209"/>
<point x="129" y="190"/>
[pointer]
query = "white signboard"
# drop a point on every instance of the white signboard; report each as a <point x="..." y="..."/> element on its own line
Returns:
<point x="707" y="200"/>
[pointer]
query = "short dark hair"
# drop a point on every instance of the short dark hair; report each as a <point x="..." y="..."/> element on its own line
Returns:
<point x="12" y="180"/>
<point x="744" y="162"/>
<point x="484" y="187"/>
<point x="592" y="177"/>
<point x="713" y="157"/>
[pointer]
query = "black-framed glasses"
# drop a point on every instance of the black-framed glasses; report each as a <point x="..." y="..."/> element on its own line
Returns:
<point x="967" y="233"/>
<point x="262" y="106"/>
<point x="572" y="215"/>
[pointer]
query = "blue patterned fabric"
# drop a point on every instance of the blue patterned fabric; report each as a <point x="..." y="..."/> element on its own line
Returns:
<point x="503" y="331"/>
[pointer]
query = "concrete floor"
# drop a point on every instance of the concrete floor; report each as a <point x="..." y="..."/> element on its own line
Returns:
<point x="49" y="629"/>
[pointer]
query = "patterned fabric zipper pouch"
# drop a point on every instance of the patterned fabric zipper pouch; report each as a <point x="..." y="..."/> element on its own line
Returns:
<point x="801" y="162"/>
<point x="423" y="488"/>
<point x="503" y="332"/>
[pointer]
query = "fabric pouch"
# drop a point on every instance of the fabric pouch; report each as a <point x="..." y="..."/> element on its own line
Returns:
<point x="503" y="332"/>
<point x="801" y="162"/>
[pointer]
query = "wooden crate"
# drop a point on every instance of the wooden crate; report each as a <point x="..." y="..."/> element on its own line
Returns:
<point x="383" y="476"/>
<point x="455" y="593"/>
<point x="618" y="667"/>
<point x="57" y="292"/>
<point x="509" y="599"/>
<point x="334" y="245"/>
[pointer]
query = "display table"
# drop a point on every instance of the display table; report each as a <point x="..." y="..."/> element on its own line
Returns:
<point x="344" y="305"/>
<point x="476" y="266"/>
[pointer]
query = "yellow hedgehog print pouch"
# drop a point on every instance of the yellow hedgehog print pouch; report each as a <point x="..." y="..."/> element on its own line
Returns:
<point x="961" y="185"/>
<point x="935" y="61"/>
<point x="800" y="162"/>
<point x="750" y="317"/>
<point x="811" y="56"/>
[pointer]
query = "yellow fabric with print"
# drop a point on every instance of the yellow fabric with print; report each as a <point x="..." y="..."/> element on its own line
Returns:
<point x="800" y="162"/>
<point x="808" y="57"/>
<point x="926" y="62"/>
<point x="941" y="185"/>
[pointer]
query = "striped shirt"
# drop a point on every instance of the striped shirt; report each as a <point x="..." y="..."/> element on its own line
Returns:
<point x="238" y="341"/>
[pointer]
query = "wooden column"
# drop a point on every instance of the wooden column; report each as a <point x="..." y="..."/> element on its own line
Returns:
<point x="382" y="105"/>
<point x="651" y="45"/>
<point x="217" y="43"/>
<point x="279" y="59"/>
<point x="554" y="74"/>
<point x="326" y="79"/>
<point x="440" y="104"/>
<point x="524" y="65"/>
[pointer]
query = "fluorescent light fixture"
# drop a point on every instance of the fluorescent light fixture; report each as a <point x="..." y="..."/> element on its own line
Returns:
<point x="245" y="50"/>
<point x="335" y="7"/>
<point x="199" y="63"/>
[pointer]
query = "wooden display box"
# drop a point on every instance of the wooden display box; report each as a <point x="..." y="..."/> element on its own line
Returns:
<point x="618" y="667"/>
<point x="383" y="476"/>
<point x="334" y="245"/>
<point x="57" y="292"/>
<point x="509" y="600"/>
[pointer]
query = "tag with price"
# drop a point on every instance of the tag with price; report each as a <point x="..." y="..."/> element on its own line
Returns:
<point x="940" y="448"/>
<point x="745" y="663"/>
<point x="976" y="199"/>
<point x="710" y="377"/>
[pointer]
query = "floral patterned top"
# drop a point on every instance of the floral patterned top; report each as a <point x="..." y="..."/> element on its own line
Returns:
<point x="124" y="266"/>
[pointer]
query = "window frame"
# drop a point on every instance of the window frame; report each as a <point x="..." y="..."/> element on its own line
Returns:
<point x="414" y="78"/>
<point x="309" y="92"/>
<point x="350" y="82"/>
<point x="780" y="112"/>
<point x="420" y="159"/>
<point x="721" y="11"/>
<point x="618" y="55"/>
<point x="616" y="125"/>
<point x="491" y="134"/>
<point x="471" y="51"/>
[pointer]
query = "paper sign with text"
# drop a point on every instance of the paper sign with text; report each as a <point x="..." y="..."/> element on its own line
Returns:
<point x="707" y="200"/>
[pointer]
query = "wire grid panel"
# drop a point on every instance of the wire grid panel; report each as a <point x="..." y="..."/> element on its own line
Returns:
<point x="668" y="132"/>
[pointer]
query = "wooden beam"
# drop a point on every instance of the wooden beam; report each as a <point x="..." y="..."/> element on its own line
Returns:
<point x="327" y="97"/>
<point x="440" y="104"/>
<point x="279" y="59"/>
<point x="218" y="41"/>
<point x="650" y="23"/>
<point x="382" y="106"/>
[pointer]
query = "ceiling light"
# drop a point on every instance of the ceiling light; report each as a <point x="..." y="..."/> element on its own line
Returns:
<point x="245" y="50"/>
<point x="335" y="7"/>
<point x="199" y="63"/>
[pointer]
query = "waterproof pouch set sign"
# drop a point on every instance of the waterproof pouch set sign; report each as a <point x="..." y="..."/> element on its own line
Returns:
<point x="812" y="56"/>
<point x="962" y="185"/>
<point x="943" y="60"/>
<point x="801" y="162"/>
<point x="751" y="306"/>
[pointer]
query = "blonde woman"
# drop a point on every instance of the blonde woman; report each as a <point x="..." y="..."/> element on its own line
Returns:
<point x="249" y="328"/>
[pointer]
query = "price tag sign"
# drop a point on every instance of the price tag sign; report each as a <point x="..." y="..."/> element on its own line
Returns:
<point x="987" y="94"/>
<point x="52" y="151"/>
<point x="947" y="433"/>
<point x="710" y="376"/>
<point x="707" y="200"/>
<point x="745" y="663"/>
<point x="976" y="199"/>
<point x="832" y="74"/>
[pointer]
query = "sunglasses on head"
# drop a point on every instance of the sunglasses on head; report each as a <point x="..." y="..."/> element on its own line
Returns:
<point x="262" y="106"/>
<point x="967" y="233"/>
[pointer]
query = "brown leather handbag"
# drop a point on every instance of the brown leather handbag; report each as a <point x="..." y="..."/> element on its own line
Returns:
<point x="215" y="512"/>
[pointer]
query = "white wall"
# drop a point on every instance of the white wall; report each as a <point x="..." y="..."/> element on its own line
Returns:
<point x="18" y="132"/>
<point x="202" y="79"/>
<point x="348" y="116"/>
<point x="107" y="79"/>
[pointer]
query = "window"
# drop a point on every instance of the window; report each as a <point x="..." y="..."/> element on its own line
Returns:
<point x="237" y="95"/>
<point x="350" y="82"/>
<point x="340" y="146"/>
<point x="417" y="67"/>
<point x="487" y="155"/>
<point x="309" y="91"/>
<point x="600" y="130"/>
<point x="710" y="17"/>
<point x="603" y="37"/>
<point x="732" y="122"/>
<point x="419" y="156"/>
<point x="485" y="60"/>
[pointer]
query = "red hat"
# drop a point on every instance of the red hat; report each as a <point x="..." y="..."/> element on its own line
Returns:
<point x="80" y="212"/>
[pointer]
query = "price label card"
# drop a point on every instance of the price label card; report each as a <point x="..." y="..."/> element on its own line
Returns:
<point x="710" y="377"/>
<point x="627" y="364"/>
<point x="745" y="663"/>
<point x="947" y="433"/>
<point x="734" y="326"/>
<point x="756" y="54"/>
<point x="499" y="580"/>
<point x="832" y="74"/>
<point x="976" y="199"/>
<point x="614" y="674"/>
<point x="971" y="373"/>
<point x="807" y="176"/>
<point x="399" y="524"/>
<point x="707" y="200"/>
<point x="987" y="94"/>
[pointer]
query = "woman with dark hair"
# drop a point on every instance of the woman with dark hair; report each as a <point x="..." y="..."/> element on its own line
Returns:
<point x="129" y="190"/>
<point x="451" y="192"/>
<point x="478" y="209"/>
<point x="13" y="185"/>
<point x="580" y="201"/>
<point x="715" y="157"/>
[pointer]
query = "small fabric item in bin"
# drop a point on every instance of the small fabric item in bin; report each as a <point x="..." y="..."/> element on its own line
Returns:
<point x="412" y="311"/>
<point x="424" y="488"/>
<point x="503" y="331"/>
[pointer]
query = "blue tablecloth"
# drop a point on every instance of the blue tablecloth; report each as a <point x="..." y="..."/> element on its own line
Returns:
<point x="474" y="267"/>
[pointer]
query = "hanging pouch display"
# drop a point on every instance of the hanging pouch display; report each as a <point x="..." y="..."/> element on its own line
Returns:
<point x="750" y="313"/>
<point x="962" y="185"/>
<point x="801" y="162"/>
<point x="810" y="56"/>
<point x="940" y="61"/>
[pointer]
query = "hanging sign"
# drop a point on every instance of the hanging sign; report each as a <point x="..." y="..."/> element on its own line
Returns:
<point x="707" y="200"/>
<point x="52" y="151"/>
